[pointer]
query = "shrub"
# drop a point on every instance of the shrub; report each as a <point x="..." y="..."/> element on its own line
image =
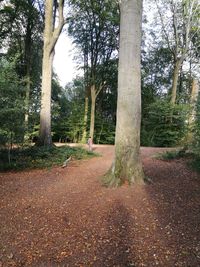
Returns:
<point x="39" y="157"/>
<point x="165" y="124"/>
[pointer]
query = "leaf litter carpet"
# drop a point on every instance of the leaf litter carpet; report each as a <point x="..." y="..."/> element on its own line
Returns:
<point x="64" y="217"/>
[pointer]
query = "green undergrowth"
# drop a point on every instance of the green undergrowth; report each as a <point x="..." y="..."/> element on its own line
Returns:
<point x="195" y="163"/>
<point x="170" y="155"/>
<point x="40" y="157"/>
<point x="193" y="158"/>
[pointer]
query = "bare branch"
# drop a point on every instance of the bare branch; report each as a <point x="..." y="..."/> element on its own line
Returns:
<point x="163" y="27"/>
<point x="59" y="28"/>
<point x="174" y="11"/>
<point x="66" y="162"/>
<point x="102" y="85"/>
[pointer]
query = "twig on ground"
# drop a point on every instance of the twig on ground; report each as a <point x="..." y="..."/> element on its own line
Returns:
<point x="66" y="162"/>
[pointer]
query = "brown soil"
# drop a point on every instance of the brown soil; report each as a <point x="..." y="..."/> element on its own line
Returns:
<point x="65" y="217"/>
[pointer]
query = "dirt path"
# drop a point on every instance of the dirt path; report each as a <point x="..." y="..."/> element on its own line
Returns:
<point x="64" y="217"/>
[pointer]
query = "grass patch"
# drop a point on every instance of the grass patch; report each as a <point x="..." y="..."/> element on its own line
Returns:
<point x="40" y="157"/>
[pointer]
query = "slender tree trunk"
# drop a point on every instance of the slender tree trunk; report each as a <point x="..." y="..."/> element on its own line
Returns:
<point x="177" y="67"/>
<point x="92" y="116"/>
<point x="26" y="117"/>
<point x="193" y="101"/>
<point x="100" y="134"/>
<point x="94" y="93"/>
<point x="192" y="114"/>
<point x="85" y="119"/>
<point x="28" y="62"/>
<point x="127" y="166"/>
<point x="27" y="99"/>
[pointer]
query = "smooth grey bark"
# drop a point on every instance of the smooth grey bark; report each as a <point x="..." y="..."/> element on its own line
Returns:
<point x="127" y="166"/>
<point x="51" y="36"/>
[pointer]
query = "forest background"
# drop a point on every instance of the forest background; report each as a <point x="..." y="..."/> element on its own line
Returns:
<point x="86" y="106"/>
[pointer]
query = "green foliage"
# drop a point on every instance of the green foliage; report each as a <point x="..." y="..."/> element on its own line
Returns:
<point x="156" y="78"/>
<point x="165" y="124"/>
<point x="11" y="104"/>
<point x="21" y="29"/>
<point x="194" y="147"/>
<point x="193" y="161"/>
<point x="196" y="129"/>
<point x="169" y="155"/>
<point x="68" y="109"/>
<point x="94" y="27"/>
<point x="194" y="164"/>
<point x="39" y="157"/>
<point x="104" y="130"/>
<point x="106" y="105"/>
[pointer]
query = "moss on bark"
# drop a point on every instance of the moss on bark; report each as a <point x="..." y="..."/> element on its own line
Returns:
<point x="127" y="168"/>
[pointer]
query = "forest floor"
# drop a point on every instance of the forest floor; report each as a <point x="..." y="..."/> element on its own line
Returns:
<point x="65" y="217"/>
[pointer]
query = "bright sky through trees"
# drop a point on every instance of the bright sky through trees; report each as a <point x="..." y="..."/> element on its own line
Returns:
<point x="64" y="65"/>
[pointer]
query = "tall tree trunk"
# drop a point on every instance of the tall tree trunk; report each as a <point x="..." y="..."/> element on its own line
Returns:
<point x="27" y="100"/>
<point x="192" y="114"/>
<point x="177" y="67"/>
<point x="51" y="36"/>
<point x="127" y="165"/>
<point x="94" y="90"/>
<point x="45" y="113"/>
<point x="193" y="101"/>
<point x="84" y="135"/>
<point x="28" y="62"/>
<point x="100" y="134"/>
<point x="92" y="116"/>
